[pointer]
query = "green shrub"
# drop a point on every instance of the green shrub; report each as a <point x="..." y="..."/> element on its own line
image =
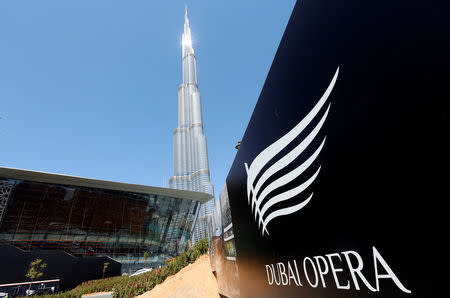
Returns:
<point x="131" y="286"/>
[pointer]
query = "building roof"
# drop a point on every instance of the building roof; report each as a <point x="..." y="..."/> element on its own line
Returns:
<point x="43" y="177"/>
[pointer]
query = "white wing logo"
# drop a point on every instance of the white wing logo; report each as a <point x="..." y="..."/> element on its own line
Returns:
<point x="256" y="195"/>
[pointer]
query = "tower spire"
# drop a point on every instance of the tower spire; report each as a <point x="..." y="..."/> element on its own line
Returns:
<point x="186" y="38"/>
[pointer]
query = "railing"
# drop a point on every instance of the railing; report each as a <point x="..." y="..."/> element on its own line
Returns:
<point x="35" y="287"/>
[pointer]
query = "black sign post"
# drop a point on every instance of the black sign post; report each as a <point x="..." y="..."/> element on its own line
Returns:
<point x="339" y="186"/>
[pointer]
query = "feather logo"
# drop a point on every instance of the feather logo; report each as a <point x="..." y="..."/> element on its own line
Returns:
<point x="257" y="195"/>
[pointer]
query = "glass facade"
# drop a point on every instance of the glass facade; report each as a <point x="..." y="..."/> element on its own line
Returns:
<point x="85" y="221"/>
<point x="223" y="248"/>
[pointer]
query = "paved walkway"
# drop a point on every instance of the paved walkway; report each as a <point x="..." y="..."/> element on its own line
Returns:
<point x="99" y="295"/>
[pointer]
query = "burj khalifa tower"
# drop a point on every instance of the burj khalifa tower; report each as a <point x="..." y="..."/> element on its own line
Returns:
<point x="191" y="166"/>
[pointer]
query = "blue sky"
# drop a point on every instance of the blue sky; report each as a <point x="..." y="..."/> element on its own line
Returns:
<point x="89" y="88"/>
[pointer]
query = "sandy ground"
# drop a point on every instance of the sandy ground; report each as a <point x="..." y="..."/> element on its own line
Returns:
<point x="195" y="280"/>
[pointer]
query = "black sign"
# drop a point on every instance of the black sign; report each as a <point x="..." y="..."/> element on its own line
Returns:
<point x="337" y="189"/>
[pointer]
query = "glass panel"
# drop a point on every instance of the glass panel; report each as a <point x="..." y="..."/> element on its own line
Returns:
<point x="96" y="222"/>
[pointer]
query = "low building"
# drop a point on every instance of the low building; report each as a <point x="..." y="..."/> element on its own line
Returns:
<point x="94" y="218"/>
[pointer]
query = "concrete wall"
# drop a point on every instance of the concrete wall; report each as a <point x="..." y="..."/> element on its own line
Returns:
<point x="71" y="270"/>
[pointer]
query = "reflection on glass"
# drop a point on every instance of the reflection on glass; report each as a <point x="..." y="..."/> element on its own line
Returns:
<point x="96" y="222"/>
<point x="223" y="248"/>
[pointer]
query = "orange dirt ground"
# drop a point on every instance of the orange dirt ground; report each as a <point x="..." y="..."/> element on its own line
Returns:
<point x="195" y="280"/>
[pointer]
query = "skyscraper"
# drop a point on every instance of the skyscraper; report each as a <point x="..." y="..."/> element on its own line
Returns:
<point x="191" y="167"/>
